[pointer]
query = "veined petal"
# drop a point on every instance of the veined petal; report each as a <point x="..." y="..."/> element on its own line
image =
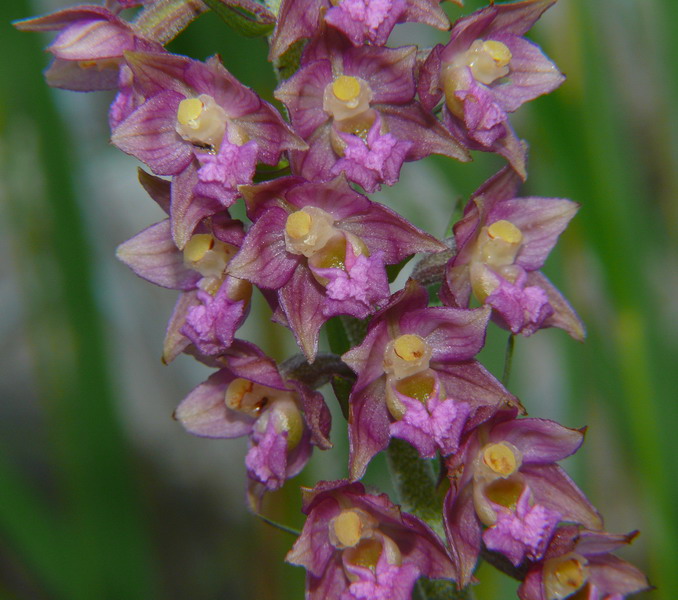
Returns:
<point x="151" y="254"/>
<point x="539" y="440"/>
<point x="149" y="134"/>
<point x="302" y="301"/>
<point x="368" y="427"/>
<point x="454" y="334"/>
<point x="553" y="488"/>
<point x="384" y="230"/>
<point x="263" y="258"/>
<point x="412" y="122"/>
<point x="204" y="412"/>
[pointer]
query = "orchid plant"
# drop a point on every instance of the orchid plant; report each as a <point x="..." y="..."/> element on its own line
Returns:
<point x="320" y="250"/>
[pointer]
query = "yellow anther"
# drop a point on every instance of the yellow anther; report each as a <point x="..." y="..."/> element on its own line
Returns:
<point x="236" y="391"/>
<point x="348" y="528"/>
<point x="196" y="248"/>
<point x="189" y="110"/>
<point x="505" y="231"/>
<point x="501" y="459"/>
<point x="346" y="88"/>
<point x="498" y="52"/>
<point x="298" y="225"/>
<point x="409" y="347"/>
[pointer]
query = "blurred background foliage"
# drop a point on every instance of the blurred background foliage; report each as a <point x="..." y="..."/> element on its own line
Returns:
<point x="103" y="496"/>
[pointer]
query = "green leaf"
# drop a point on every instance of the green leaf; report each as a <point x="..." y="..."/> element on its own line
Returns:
<point x="246" y="17"/>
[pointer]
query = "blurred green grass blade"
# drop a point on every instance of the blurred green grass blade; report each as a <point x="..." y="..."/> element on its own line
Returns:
<point x="33" y="531"/>
<point x="106" y="547"/>
<point x="594" y="158"/>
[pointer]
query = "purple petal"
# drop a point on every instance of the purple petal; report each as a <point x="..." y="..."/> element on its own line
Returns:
<point x="539" y="440"/>
<point x="187" y="207"/>
<point x="428" y="85"/>
<point x="92" y="40"/>
<point x="366" y="20"/>
<point x="303" y="95"/>
<point x="531" y="74"/>
<point x="368" y="427"/>
<point x="302" y="300"/>
<point x="64" y="18"/>
<point x="454" y="334"/>
<point x="367" y="359"/>
<point x="176" y="342"/>
<point x="152" y="255"/>
<point x="316" y="414"/>
<point x="463" y="532"/>
<point x="553" y="488"/>
<point x="411" y="122"/>
<point x="204" y="412"/>
<point x="382" y="229"/>
<point x="612" y="575"/>
<point x="296" y="19"/>
<point x="263" y="258"/>
<point x="69" y="75"/>
<point x="388" y="71"/>
<point x="540" y="220"/>
<point x="149" y="134"/>
<point x="564" y="316"/>
<point x="312" y="549"/>
<point x="471" y="383"/>
<point x="273" y="136"/>
<point x="335" y="197"/>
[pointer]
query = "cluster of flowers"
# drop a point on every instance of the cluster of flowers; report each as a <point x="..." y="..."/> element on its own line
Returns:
<point x="317" y="248"/>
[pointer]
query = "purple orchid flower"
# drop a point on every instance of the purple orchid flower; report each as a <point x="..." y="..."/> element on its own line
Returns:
<point x="355" y="108"/>
<point x="323" y="247"/>
<point x="417" y="379"/>
<point x="356" y="546"/>
<point x="486" y="70"/>
<point x="212" y="305"/>
<point x="361" y="21"/>
<point x="248" y="397"/>
<point x="505" y="478"/>
<point x="199" y="124"/>
<point x="88" y="52"/>
<point x="502" y="241"/>
<point x="579" y="564"/>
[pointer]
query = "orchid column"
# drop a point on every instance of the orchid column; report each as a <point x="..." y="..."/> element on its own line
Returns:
<point x="481" y="480"/>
